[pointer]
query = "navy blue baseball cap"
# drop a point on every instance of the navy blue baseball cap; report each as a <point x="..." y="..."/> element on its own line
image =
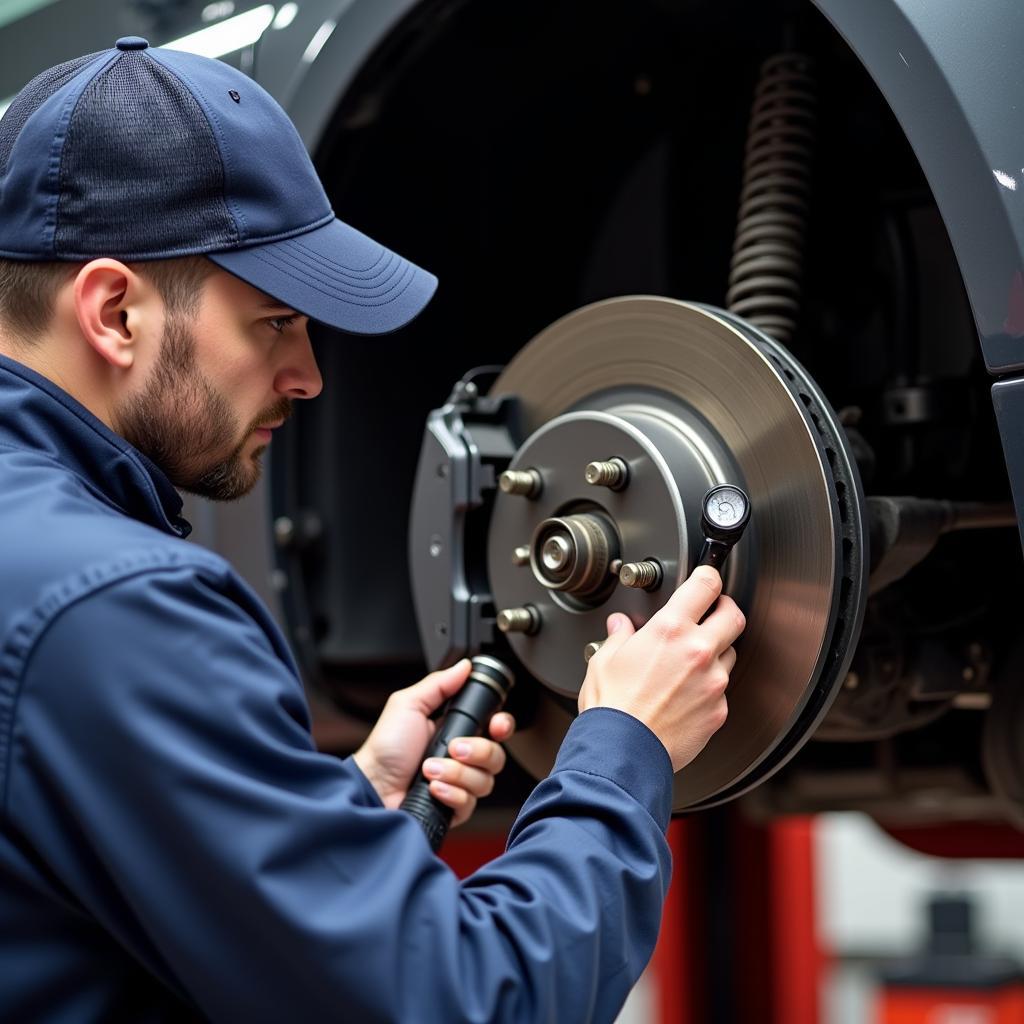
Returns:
<point x="141" y="153"/>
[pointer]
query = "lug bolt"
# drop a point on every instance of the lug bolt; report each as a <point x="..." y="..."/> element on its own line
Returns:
<point x="527" y="482"/>
<point x="519" y="620"/>
<point x="591" y="649"/>
<point x="613" y="473"/>
<point x="641" y="575"/>
<point x="521" y="555"/>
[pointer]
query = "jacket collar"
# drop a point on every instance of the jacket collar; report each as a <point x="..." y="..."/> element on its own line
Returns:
<point x="37" y="415"/>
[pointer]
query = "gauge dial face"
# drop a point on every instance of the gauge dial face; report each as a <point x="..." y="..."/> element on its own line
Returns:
<point x="726" y="507"/>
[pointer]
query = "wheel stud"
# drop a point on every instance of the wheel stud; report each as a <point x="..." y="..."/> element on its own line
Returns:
<point x="526" y="482"/>
<point x="591" y="649"/>
<point x="519" y="620"/>
<point x="641" y="575"/>
<point x="521" y="555"/>
<point x="613" y="473"/>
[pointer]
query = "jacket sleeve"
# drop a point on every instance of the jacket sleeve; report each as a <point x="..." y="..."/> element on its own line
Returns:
<point x="163" y="762"/>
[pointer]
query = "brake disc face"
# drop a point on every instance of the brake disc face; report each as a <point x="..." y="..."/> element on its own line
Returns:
<point x="686" y="397"/>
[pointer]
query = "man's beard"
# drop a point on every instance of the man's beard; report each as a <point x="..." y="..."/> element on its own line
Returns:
<point x="182" y="423"/>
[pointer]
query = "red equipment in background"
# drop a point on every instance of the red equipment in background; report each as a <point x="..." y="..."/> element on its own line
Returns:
<point x="738" y="939"/>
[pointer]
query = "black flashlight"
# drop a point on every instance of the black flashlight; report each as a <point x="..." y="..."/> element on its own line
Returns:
<point x="467" y="714"/>
<point x="724" y="516"/>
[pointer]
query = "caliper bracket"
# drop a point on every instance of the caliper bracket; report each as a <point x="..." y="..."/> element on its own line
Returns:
<point x="468" y="442"/>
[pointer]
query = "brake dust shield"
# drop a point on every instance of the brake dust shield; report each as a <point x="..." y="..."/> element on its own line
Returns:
<point x="688" y="397"/>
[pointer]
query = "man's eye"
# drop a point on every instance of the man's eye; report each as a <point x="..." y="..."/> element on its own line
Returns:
<point x="281" y="323"/>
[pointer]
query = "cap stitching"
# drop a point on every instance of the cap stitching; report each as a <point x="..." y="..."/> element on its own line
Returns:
<point x="158" y="254"/>
<point x="353" y="271"/>
<point x="333" y="295"/>
<point x="340" y="286"/>
<point x="280" y="236"/>
<point x="297" y="262"/>
<point x="26" y="102"/>
<point x="215" y="130"/>
<point x="55" y="167"/>
<point x="338" y="269"/>
<point x="134" y="73"/>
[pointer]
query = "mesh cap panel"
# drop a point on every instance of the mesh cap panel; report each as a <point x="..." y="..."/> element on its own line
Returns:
<point x="163" y="146"/>
<point x="140" y="153"/>
<point x="31" y="98"/>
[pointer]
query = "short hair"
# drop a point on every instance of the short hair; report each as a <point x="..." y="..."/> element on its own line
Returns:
<point x="28" y="291"/>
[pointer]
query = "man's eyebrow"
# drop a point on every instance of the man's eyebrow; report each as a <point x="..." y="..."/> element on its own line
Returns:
<point x="280" y="307"/>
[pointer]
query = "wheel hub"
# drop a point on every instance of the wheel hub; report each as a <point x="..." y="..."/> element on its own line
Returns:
<point x="683" y="397"/>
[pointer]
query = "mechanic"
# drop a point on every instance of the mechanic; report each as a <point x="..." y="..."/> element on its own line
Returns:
<point x="172" y="845"/>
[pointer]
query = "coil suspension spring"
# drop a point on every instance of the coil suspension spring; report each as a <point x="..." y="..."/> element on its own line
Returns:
<point x="767" y="256"/>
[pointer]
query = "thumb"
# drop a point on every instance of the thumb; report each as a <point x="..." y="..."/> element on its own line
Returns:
<point x="620" y="629"/>
<point x="432" y="691"/>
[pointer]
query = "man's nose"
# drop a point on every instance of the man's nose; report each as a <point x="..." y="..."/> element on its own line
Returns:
<point x="299" y="375"/>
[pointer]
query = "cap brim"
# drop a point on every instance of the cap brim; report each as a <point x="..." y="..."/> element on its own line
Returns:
<point x="336" y="275"/>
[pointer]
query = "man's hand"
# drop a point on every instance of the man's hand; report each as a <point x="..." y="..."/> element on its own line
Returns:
<point x="391" y="755"/>
<point x="672" y="673"/>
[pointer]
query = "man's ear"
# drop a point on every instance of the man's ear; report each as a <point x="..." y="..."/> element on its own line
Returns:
<point x="108" y="296"/>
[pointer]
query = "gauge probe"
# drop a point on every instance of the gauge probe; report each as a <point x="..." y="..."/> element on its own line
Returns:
<point x="466" y="714"/>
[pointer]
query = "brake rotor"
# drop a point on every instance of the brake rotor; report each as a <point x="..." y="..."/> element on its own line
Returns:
<point x="686" y="397"/>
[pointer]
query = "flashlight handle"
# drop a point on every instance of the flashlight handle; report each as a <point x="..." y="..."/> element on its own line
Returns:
<point x="714" y="553"/>
<point x="467" y="714"/>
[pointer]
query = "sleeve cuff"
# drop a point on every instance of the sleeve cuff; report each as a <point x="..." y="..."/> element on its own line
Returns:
<point x="619" y="747"/>
<point x="367" y="796"/>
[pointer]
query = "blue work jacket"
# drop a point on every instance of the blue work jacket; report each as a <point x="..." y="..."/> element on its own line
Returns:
<point x="173" y="846"/>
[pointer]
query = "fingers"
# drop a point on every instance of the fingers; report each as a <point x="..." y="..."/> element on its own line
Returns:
<point x="478" y="752"/>
<point x="460" y="783"/>
<point x="694" y="597"/>
<point x="432" y="691"/>
<point x="728" y="659"/>
<point x="474" y="781"/>
<point x="472" y="766"/>
<point x="724" y="624"/>
<point x="620" y="629"/>
<point x="458" y="799"/>
<point x="502" y="726"/>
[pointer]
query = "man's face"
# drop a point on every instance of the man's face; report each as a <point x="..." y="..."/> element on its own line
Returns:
<point x="218" y="386"/>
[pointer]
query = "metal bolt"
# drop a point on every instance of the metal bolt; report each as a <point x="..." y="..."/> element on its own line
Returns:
<point x="519" y="620"/>
<point x="613" y="473"/>
<point x="591" y="649"/>
<point x="527" y="482"/>
<point x="641" y="575"/>
<point x="521" y="555"/>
